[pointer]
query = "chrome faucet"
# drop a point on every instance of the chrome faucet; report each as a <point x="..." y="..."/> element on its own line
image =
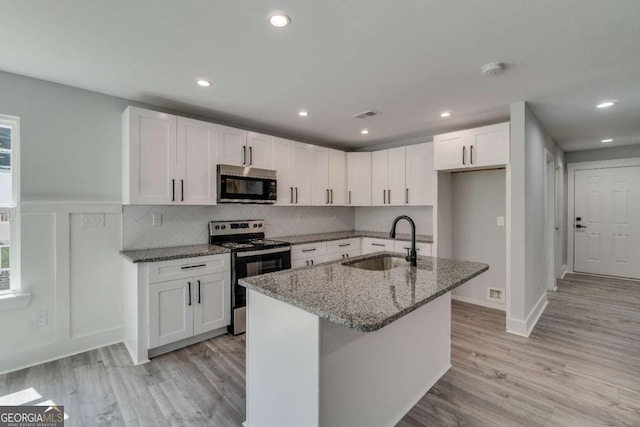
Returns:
<point x="413" y="255"/>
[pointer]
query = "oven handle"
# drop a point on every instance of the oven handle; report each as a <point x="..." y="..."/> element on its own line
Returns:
<point x="246" y="254"/>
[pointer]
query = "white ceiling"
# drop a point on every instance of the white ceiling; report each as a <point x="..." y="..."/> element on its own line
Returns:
<point x="409" y="59"/>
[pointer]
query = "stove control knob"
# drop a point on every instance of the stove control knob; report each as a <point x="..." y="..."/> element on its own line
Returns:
<point x="217" y="227"/>
<point x="224" y="226"/>
<point x="255" y="225"/>
<point x="260" y="225"/>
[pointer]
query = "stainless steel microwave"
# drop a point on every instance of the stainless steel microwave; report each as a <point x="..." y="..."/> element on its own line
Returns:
<point x="237" y="184"/>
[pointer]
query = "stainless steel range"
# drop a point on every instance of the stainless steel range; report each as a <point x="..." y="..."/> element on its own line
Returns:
<point x="251" y="255"/>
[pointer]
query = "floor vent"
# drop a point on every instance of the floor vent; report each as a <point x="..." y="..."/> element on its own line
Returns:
<point x="366" y="114"/>
<point x="495" y="294"/>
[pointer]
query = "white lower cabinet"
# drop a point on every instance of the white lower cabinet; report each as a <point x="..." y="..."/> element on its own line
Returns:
<point x="371" y="245"/>
<point x="308" y="254"/>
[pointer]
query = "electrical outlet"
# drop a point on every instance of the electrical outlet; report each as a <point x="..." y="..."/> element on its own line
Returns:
<point x="41" y="317"/>
<point x="156" y="220"/>
<point x="500" y="221"/>
<point x="92" y="220"/>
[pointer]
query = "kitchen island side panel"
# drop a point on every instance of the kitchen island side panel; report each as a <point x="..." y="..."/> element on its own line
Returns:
<point x="282" y="364"/>
<point x="375" y="378"/>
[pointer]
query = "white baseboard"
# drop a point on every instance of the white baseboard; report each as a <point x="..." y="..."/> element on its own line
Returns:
<point x="524" y="327"/>
<point x="424" y="391"/>
<point x="477" y="301"/>
<point x="565" y="270"/>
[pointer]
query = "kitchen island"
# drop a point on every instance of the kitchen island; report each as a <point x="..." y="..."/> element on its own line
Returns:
<point x="338" y="345"/>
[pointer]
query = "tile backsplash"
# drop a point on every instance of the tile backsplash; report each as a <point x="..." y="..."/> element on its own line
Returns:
<point x="187" y="225"/>
<point x="381" y="218"/>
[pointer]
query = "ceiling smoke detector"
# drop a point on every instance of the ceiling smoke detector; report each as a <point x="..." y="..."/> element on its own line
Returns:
<point x="492" y="68"/>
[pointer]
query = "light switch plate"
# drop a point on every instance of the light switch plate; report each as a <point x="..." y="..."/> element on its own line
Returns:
<point x="500" y="221"/>
<point x="41" y="317"/>
<point x="92" y="220"/>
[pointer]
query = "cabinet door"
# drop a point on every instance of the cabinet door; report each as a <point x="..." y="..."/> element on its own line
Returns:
<point x="397" y="177"/>
<point x="379" y="177"/>
<point x="338" y="177"/>
<point x="451" y="150"/>
<point x="150" y="157"/>
<point x="319" y="176"/>
<point x="359" y="179"/>
<point x="196" y="162"/>
<point x="490" y="146"/>
<point x="420" y="175"/>
<point x="301" y="165"/>
<point x="231" y="146"/>
<point x="282" y="165"/>
<point x="259" y="150"/>
<point x="211" y="302"/>
<point x="170" y="312"/>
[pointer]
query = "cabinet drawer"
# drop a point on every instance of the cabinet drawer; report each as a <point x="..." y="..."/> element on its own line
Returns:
<point x="376" y="245"/>
<point x="343" y="246"/>
<point x="308" y="250"/>
<point x="423" y="249"/>
<point x="308" y="262"/>
<point x="176" y="269"/>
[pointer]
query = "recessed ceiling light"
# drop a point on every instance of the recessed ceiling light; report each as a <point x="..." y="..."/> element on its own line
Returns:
<point x="606" y="141"/>
<point x="279" y="19"/>
<point x="606" y="104"/>
<point x="364" y="131"/>
<point x="203" y="83"/>
<point x="445" y="114"/>
<point x="303" y="113"/>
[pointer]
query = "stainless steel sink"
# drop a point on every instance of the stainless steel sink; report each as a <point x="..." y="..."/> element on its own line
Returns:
<point x="379" y="263"/>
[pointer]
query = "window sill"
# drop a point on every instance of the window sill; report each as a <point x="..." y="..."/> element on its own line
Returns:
<point x="14" y="300"/>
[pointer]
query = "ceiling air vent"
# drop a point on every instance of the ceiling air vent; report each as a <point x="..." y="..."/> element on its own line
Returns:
<point x="366" y="114"/>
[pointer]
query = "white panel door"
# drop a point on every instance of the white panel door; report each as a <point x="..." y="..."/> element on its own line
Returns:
<point x="450" y="151"/>
<point x="338" y="177"/>
<point x="196" y="162"/>
<point x="231" y="146"/>
<point x="211" y="302"/>
<point x="490" y="146"/>
<point x="170" y="312"/>
<point x="420" y="175"/>
<point x="259" y="150"/>
<point x="379" y="177"/>
<point x="301" y="167"/>
<point x="396" y="194"/>
<point x="282" y="165"/>
<point x="359" y="179"/>
<point x="152" y="156"/>
<point x="319" y="176"/>
<point x="607" y="221"/>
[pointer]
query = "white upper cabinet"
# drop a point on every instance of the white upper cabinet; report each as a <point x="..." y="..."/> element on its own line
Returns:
<point x="482" y="147"/>
<point x="167" y="159"/>
<point x="320" y="176"/>
<point x="337" y="177"/>
<point x="259" y="151"/>
<point x="196" y="183"/>
<point x="149" y="157"/>
<point x="420" y="176"/>
<point x="301" y="173"/>
<point x="282" y="163"/>
<point x="232" y="146"/>
<point x="359" y="179"/>
<point x="238" y="147"/>
<point x="388" y="177"/>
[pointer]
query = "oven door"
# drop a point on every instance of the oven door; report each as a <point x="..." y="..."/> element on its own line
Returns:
<point x="254" y="263"/>
<point x="244" y="189"/>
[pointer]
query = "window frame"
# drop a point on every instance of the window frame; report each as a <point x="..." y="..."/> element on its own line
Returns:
<point x="14" y="206"/>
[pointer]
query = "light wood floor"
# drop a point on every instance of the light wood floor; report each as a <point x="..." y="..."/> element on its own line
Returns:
<point x="580" y="367"/>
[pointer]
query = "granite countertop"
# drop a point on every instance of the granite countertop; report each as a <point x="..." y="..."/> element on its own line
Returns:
<point x="361" y="299"/>
<point x="325" y="237"/>
<point x="176" y="252"/>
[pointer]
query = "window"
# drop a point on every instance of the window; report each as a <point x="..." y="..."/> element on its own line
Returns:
<point x="9" y="204"/>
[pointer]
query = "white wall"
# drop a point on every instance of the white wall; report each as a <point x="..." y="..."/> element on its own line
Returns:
<point x="380" y="218"/>
<point x="187" y="225"/>
<point x="478" y="198"/>
<point x="609" y="153"/>
<point x="525" y="197"/>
